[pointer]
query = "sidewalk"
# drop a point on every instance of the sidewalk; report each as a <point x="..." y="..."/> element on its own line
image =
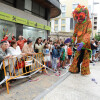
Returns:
<point x="24" y="89"/>
<point x="78" y="87"/>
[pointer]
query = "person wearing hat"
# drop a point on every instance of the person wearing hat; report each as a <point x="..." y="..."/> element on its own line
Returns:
<point x="28" y="49"/>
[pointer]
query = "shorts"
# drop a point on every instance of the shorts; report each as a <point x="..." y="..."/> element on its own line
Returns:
<point x="69" y="56"/>
<point x="46" y="58"/>
<point x="93" y="52"/>
<point x="63" y="58"/>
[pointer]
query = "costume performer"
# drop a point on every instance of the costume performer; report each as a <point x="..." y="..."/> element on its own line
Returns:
<point x="82" y="31"/>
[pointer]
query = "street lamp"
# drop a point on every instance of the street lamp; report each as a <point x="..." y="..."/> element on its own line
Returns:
<point x="94" y="3"/>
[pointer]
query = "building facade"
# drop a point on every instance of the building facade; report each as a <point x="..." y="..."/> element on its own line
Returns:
<point x="63" y="26"/>
<point x="30" y="18"/>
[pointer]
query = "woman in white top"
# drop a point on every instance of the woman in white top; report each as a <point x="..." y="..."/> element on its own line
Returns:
<point x="14" y="50"/>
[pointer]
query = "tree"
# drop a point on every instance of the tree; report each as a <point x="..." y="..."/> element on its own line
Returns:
<point x="97" y="37"/>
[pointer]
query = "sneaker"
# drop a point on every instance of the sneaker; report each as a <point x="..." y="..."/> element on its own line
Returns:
<point x="63" y="68"/>
<point x="91" y="61"/>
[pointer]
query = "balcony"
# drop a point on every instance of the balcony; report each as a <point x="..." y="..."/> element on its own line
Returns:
<point x="53" y="5"/>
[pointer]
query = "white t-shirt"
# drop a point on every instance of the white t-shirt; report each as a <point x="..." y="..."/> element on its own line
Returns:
<point x="50" y="47"/>
<point x="65" y="48"/>
<point x="14" y="52"/>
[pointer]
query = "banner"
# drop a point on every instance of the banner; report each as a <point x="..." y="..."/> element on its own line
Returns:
<point x="28" y="63"/>
<point x="15" y="19"/>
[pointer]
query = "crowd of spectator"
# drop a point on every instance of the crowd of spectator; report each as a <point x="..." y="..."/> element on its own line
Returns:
<point x="57" y="54"/>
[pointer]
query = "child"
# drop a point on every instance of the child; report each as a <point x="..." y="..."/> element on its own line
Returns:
<point x="46" y="53"/>
<point x="62" y="57"/>
<point x="55" y="56"/>
<point x="69" y="52"/>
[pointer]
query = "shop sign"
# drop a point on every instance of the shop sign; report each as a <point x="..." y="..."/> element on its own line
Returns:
<point x="23" y="21"/>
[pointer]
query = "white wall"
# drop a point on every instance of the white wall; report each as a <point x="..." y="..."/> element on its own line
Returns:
<point x="59" y="25"/>
<point x="52" y="25"/>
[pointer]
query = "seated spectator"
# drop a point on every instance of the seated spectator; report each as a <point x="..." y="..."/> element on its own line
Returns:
<point x="21" y="41"/>
<point x="3" y="55"/>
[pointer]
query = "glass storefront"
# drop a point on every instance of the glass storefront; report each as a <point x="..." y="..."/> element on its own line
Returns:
<point x="34" y="33"/>
<point x="6" y="28"/>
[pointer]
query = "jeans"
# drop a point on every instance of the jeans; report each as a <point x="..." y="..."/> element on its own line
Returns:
<point x="54" y="63"/>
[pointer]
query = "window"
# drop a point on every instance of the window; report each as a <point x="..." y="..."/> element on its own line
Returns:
<point x="95" y="27"/>
<point x="63" y="8"/>
<point x="56" y="28"/>
<point x="63" y="28"/>
<point x="42" y="11"/>
<point x="6" y="27"/>
<point x="56" y="21"/>
<point x="63" y="21"/>
<point x="28" y="5"/>
<point x="63" y="14"/>
<point x="74" y="6"/>
<point x="38" y="10"/>
<point x="34" y="33"/>
<point x="35" y="8"/>
<point x="8" y="2"/>
<point x="71" y="23"/>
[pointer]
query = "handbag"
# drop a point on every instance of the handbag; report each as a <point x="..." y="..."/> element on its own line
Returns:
<point x="36" y="50"/>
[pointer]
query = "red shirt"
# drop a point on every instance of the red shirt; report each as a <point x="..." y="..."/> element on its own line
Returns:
<point x="6" y="39"/>
<point x="69" y="51"/>
<point x="20" y="43"/>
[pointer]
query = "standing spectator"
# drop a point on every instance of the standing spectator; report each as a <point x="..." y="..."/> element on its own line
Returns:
<point x="44" y="41"/>
<point x="38" y="47"/>
<point x="3" y="55"/>
<point x="27" y="49"/>
<point x="55" y="56"/>
<point x="69" y="53"/>
<point x="5" y="37"/>
<point x="41" y="41"/>
<point x="62" y="57"/>
<point x="93" y="48"/>
<point x="50" y="46"/>
<point x="65" y="52"/>
<point x="14" y="49"/>
<point x="21" y="41"/>
<point x="46" y="53"/>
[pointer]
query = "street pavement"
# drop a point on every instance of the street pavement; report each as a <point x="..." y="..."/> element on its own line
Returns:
<point x="67" y="86"/>
<point x="78" y="87"/>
